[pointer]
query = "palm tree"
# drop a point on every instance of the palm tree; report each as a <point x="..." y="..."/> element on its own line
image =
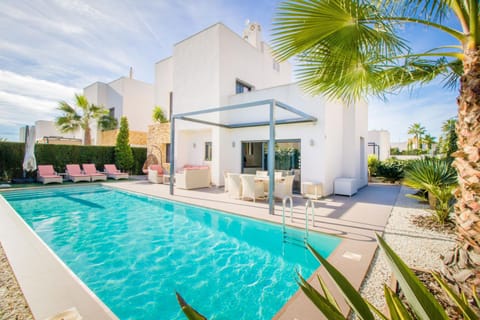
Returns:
<point x="429" y="141"/>
<point x="351" y="49"/>
<point x="450" y="137"/>
<point x="417" y="130"/>
<point x="71" y="120"/>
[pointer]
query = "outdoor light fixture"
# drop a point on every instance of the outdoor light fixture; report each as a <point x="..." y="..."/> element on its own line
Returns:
<point x="194" y="145"/>
<point x="233" y="144"/>
<point x="312" y="142"/>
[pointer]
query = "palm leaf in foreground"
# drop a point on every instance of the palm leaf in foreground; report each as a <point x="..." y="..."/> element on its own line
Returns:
<point x="191" y="313"/>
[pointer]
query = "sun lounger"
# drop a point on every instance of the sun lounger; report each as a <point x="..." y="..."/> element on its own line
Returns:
<point x="75" y="174"/>
<point x="46" y="174"/>
<point x="91" y="170"/>
<point x="112" y="172"/>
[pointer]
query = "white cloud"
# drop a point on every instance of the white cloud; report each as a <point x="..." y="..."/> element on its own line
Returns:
<point x="23" y="86"/>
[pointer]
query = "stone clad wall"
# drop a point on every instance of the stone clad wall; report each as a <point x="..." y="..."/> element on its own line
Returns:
<point x="109" y="138"/>
<point x="157" y="139"/>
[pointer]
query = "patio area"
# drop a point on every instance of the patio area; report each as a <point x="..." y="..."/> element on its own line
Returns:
<point x="356" y="219"/>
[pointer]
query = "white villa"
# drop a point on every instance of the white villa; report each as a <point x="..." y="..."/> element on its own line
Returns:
<point x="217" y="68"/>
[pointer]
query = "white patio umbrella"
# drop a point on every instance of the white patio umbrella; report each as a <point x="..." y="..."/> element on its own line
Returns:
<point x="29" y="162"/>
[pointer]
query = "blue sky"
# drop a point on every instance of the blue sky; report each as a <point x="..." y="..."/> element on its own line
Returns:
<point x="54" y="48"/>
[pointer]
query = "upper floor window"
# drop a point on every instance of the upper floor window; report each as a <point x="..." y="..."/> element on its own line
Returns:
<point x="208" y="151"/>
<point x="241" y="87"/>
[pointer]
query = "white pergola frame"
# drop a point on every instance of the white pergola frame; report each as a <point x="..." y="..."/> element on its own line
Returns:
<point x="271" y="123"/>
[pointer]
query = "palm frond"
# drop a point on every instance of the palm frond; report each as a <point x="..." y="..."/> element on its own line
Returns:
<point x="433" y="10"/>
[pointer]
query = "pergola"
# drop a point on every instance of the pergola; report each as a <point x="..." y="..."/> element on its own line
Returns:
<point x="299" y="117"/>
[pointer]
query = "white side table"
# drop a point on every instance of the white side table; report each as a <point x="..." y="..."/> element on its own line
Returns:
<point x="312" y="190"/>
<point x="345" y="186"/>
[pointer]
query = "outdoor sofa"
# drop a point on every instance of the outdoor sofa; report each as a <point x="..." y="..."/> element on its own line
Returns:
<point x="193" y="177"/>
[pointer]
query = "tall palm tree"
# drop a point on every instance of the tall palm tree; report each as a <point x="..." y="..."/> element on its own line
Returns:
<point x="417" y="130"/>
<point x="351" y="49"/>
<point x="429" y="141"/>
<point x="71" y="119"/>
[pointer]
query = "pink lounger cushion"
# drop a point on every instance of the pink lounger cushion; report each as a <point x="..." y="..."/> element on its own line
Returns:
<point x="158" y="168"/>
<point x="112" y="172"/>
<point x="46" y="174"/>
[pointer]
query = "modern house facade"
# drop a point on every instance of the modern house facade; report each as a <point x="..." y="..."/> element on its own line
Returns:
<point x="218" y="68"/>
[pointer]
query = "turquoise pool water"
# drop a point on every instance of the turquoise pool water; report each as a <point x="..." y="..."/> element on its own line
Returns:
<point x="135" y="251"/>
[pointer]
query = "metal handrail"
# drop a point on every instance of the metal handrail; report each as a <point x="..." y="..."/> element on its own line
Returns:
<point x="284" y="202"/>
<point x="308" y="204"/>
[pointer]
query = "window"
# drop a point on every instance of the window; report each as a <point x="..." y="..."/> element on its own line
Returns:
<point x="167" y="152"/>
<point x="276" y="65"/>
<point x="241" y="87"/>
<point x="208" y="151"/>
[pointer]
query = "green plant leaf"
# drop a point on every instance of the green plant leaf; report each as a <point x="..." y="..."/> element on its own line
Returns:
<point x="353" y="298"/>
<point x="328" y="309"/>
<point x="395" y="305"/>
<point x="191" y="313"/>
<point x="377" y="312"/>
<point x="422" y="302"/>
<point x="467" y="311"/>
<point x="475" y="296"/>
<point x="327" y="293"/>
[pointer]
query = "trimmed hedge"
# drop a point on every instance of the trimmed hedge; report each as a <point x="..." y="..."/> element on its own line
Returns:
<point x="12" y="153"/>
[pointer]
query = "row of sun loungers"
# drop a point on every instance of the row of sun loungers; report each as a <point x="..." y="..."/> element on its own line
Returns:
<point x="46" y="173"/>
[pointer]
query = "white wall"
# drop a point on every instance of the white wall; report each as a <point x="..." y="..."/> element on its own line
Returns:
<point x="47" y="128"/>
<point x="382" y="139"/>
<point x="313" y="156"/>
<point x="129" y="97"/>
<point x="164" y="84"/>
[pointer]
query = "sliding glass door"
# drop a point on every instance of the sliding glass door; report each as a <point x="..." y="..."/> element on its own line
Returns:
<point x="287" y="158"/>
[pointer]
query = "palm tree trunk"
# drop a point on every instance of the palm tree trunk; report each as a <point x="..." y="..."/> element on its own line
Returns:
<point x="467" y="162"/>
<point x="87" y="137"/>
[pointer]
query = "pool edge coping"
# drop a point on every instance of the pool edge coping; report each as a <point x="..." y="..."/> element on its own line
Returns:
<point x="38" y="269"/>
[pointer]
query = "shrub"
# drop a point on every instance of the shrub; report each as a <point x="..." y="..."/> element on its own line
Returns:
<point x="12" y="153"/>
<point x="11" y="160"/>
<point x="438" y="179"/>
<point x="373" y="164"/>
<point x="123" y="151"/>
<point x="391" y="169"/>
<point x="158" y="115"/>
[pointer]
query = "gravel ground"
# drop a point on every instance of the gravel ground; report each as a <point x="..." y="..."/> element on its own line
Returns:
<point x="12" y="302"/>
<point x="419" y="248"/>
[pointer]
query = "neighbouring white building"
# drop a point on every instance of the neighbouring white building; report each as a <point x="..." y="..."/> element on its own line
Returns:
<point x="216" y="68"/>
<point x="124" y="97"/>
<point x="379" y="144"/>
<point x="47" y="132"/>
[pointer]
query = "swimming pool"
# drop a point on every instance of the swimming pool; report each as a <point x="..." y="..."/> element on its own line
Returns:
<point x="135" y="251"/>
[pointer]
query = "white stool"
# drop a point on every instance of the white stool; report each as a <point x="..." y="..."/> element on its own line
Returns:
<point x="312" y="190"/>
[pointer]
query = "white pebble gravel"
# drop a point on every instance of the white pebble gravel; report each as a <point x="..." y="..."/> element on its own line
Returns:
<point x="419" y="248"/>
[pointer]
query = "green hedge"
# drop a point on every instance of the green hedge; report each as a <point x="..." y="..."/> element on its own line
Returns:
<point x="12" y="153"/>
